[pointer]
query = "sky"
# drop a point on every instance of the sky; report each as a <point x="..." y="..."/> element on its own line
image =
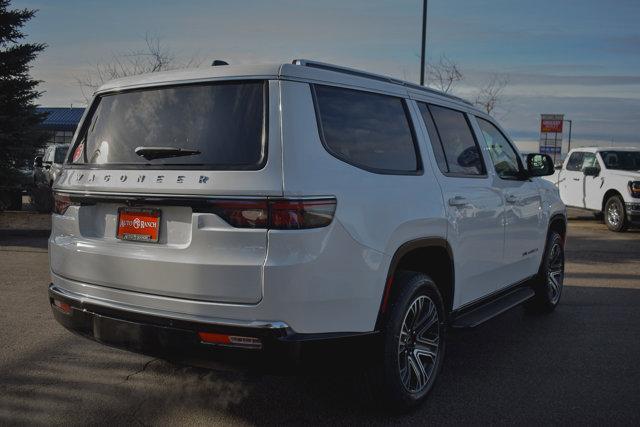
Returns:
<point x="576" y="57"/>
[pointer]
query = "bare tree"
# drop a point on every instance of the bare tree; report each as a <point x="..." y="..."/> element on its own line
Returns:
<point x="153" y="57"/>
<point x="444" y="74"/>
<point x="491" y="94"/>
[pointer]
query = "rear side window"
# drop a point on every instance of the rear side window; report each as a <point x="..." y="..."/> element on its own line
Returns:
<point x="436" y="144"/>
<point x="459" y="145"/>
<point x="205" y="126"/>
<point x="368" y="130"/>
<point x="575" y="161"/>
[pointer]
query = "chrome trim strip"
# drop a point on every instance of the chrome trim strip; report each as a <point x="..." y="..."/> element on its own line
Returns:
<point x="82" y="298"/>
<point x="120" y="195"/>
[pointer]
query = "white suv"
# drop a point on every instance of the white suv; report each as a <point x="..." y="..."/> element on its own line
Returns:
<point x="603" y="180"/>
<point x="263" y="207"/>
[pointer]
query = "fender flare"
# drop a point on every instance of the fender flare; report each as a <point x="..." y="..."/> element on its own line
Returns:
<point x="405" y="248"/>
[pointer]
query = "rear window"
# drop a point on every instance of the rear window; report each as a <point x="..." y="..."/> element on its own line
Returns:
<point x="368" y="130"/>
<point x="212" y="126"/>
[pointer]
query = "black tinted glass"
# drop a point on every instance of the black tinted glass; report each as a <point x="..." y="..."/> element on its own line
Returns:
<point x="368" y="130"/>
<point x="503" y="156"/>
<point x="60" y="154"/>
<point x="222" y="125"/>
<point x="621" y="160"/>
<point x="575" y="161"/>
<point x="433" y="137"/>
<point x="460" y="148"/>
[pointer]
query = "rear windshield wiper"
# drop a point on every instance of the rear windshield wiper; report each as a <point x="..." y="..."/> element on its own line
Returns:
<point x="151" y="153"/>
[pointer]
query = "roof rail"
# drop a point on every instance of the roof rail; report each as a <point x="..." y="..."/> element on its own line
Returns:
<point x="373" y="76"/>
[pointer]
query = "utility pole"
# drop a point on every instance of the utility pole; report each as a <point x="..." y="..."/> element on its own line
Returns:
<point x="424" y="41"/>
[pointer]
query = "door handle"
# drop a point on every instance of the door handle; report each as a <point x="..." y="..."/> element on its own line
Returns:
<point x="511" y="199"/>
<point x="576" y="179"/>
<point x="458" y="201"/>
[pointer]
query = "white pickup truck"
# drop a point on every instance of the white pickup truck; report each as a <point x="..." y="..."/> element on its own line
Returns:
<point x="605" y="181"/>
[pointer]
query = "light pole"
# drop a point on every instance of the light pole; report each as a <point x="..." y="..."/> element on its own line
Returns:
<point x="569" y="143"/>
<point x="424" y="41"/>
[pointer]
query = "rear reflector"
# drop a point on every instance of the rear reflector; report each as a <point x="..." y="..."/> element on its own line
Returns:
<point x="230" y="340"/>
<point x="276" y="214"/>
<point x="62" y="306"/>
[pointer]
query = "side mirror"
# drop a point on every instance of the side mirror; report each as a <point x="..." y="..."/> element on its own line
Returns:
<point x="540" y="165"/>
<point x="37" y="162"/>
<point x="591" y="171"/>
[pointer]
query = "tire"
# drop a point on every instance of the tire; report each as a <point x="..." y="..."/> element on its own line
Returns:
<point x="615" y="215"/>
<point x="549" y="281"/>
<point x="411" y="355"/>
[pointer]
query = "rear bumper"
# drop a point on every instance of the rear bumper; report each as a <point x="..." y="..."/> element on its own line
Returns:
<point x="179" y="339"/>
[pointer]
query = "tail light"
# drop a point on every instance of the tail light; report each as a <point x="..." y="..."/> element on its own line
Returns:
<point x="61" y="202"/>
<point x="285" y="214"/>
<point x="242" y="213"/>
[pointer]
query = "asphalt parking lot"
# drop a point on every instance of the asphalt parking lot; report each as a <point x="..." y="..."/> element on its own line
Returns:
<point x="580" y="364"/>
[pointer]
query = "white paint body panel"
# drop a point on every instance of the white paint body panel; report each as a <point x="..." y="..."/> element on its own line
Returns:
<point x="329" y="279"/>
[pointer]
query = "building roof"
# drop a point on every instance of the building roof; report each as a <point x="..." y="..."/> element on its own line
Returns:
<point x="61" y="118"/>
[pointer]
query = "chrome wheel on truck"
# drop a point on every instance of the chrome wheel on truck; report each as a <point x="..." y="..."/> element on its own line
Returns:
<point x="614" y="214"/>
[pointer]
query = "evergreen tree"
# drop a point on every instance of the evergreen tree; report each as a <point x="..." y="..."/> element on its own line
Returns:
<point x="19" y="133"/>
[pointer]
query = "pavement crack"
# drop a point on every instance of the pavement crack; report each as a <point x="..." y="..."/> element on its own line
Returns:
<point x="144" y="367"/>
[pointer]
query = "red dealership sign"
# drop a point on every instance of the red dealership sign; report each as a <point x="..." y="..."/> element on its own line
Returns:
<point x="551" y="125"/>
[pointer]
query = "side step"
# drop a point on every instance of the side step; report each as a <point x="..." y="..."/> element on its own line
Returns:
<point x="492" y="308"/>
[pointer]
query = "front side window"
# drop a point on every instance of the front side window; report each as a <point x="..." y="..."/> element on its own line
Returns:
<point x="207" y="126"/>
<point x="460" y="148"/>
<point x="575" y="161"/>
<point x="589" y="161"/>
<point x="503" y="156"/>
<point x="368" y="130"/>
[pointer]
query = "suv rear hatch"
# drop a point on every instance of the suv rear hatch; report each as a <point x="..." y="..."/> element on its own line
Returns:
<point x="154" y="182"/>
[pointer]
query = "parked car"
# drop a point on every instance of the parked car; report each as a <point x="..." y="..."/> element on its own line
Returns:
<point x="263" y="208"/>
<point x="605" y="181"/>
<point x="47" y="167"/>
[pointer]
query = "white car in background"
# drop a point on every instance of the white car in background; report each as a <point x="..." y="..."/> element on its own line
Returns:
<point x="605" y="181"/>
